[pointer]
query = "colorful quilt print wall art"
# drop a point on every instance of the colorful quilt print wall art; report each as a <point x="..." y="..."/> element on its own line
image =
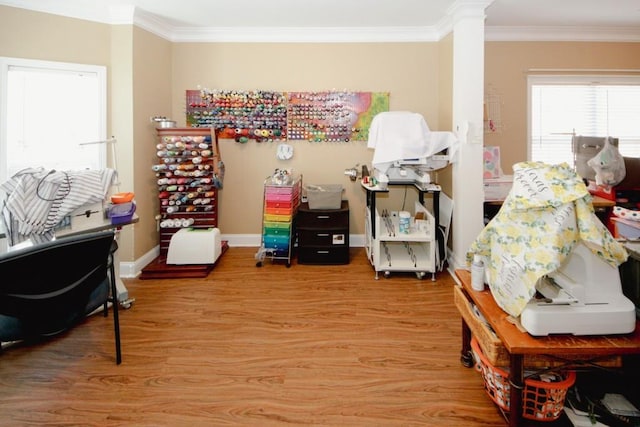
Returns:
<point x="491" y="163"/>
<point x="329" y="116"/>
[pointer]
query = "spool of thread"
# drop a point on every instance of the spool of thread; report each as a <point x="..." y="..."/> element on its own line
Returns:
<point x="404" y="222"/>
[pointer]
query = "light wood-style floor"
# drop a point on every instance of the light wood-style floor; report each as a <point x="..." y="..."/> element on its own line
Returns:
<point x="258" y="346"/>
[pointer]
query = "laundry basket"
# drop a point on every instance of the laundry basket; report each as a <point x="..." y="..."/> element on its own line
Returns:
<point x="541" y="400"/>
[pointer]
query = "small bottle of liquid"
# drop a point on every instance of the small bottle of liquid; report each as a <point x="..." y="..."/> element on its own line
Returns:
<point x="477" y="273"/>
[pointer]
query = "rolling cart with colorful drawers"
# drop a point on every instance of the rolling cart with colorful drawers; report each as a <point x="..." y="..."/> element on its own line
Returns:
<point x="281" y="201"/>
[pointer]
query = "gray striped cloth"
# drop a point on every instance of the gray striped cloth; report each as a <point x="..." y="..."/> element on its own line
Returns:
<point x="36" y="200"/>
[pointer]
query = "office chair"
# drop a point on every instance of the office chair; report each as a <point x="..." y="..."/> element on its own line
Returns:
<point x="49" y="288"/>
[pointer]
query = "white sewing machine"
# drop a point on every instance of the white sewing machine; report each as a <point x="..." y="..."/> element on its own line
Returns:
<point x="583" y="297"/>
<point x="412" y="170"/>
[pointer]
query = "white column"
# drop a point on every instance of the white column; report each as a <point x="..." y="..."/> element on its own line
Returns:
<point x="468" y="97"/>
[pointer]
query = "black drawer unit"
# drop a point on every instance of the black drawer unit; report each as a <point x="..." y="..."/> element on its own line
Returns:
<point x="323" y="235"/>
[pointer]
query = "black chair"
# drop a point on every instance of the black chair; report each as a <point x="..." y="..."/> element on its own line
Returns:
<point x="48" y="288"/>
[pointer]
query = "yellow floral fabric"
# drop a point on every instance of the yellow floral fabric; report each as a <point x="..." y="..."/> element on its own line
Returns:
<point x="547" y="212"/>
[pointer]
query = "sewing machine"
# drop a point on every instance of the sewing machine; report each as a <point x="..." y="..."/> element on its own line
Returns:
<point x="403" y="174"/>
<point x="583" y="297"/>
<point x="412" y="170"/>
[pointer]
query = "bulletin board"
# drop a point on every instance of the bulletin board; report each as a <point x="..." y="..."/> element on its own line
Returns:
<point x="326" y="116"/>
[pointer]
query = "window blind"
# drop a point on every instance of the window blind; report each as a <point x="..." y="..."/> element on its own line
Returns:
<point x="48" y="110"/>
<point x="563" y="106"/>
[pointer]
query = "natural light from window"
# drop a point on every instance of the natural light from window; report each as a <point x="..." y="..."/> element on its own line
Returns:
<point x="563" y="106"/>
<point x="51" y="110"/>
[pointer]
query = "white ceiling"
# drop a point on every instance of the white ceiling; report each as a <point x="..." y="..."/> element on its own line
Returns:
<point x="355" y="20"/>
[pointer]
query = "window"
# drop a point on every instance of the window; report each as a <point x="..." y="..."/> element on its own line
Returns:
<point x="48" y="112"/>
<point x="561" y="106"/>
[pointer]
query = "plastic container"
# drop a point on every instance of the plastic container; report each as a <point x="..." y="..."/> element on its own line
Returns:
<point x="122" y="198"/>
<point x="121" y="213"/>
<point x="324" y="196"/>
<point x="383" y="182"/>
<point x="404" y="222"/>
<point x="477" y="273"/>
<point x="541" y="400"/>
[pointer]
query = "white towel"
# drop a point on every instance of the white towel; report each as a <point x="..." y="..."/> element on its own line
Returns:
<point x="398" y="135"/>
<point x="37" y="200"/>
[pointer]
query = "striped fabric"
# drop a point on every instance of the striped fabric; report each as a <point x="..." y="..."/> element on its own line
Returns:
<point x="36" y="200"/>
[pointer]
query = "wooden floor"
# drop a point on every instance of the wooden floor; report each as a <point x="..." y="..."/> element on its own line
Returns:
<point x="258" y="346"/>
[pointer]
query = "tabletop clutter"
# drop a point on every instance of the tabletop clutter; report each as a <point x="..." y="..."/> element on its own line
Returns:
<point x="552" y="267"/>
<point x="121" y="208"/>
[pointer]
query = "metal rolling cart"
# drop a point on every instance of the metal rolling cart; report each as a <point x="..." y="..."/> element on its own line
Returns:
<point x="390" y="250"/>
<point x="280" y="205"/>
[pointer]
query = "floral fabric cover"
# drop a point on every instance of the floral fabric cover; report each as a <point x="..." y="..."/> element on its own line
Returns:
<point x="547" y="211"/>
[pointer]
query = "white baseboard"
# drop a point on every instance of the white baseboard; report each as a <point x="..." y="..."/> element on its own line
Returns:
<point x="133" y="269"/>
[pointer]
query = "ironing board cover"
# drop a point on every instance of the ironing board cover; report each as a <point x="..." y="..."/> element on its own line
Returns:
<point x="547" y="211"/>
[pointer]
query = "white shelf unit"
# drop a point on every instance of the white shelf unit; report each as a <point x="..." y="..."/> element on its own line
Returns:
<point x="390" y="250"/>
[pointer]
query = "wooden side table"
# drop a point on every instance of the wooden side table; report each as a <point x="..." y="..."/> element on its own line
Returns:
<point x="520" y="344"/>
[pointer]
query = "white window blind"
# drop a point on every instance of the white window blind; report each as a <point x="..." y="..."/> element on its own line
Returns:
<point x="561" y="106"/>
<point x="48" y="111"/>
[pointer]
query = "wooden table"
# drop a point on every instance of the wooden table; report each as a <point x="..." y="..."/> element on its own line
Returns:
<point x="518" y="344"/>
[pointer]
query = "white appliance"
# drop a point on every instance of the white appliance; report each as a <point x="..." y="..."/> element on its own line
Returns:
<point x="404" y="175"/>
<point x="195" y="246"/>
<point x="406" y="150"/>
<point x="583" y="297"/>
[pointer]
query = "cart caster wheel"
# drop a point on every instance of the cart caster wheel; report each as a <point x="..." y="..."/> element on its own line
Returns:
<point x="259" y="264"/>
<point x="126" y="304"/>
<point x="466" y="359"/>
<point x="420" y="274"/>
<point x="387" y="274"/>
<point x="288" y="265"/>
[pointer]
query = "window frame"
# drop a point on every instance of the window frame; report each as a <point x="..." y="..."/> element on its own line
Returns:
<point x="6" y="63"/>
<point x="616" y="78"/>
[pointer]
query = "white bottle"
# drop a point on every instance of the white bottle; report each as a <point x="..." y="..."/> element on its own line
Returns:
<point x="477" y="273"/>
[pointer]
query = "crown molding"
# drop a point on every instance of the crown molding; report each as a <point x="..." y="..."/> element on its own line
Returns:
<point x="555" y="34"/>
<point x="461" y="9"/>
<point x="305" y="34"/>
<point x="152" y="23"/>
